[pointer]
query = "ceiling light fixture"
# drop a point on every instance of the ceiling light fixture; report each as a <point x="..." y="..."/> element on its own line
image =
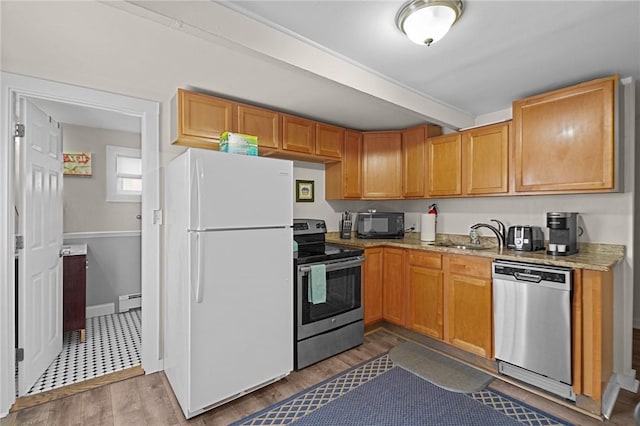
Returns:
<point x="427" y="21"/>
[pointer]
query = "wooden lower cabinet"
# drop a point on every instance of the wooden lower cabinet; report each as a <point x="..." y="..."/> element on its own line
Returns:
<point x="372" y="285"/>
<point x="425" y="279"/>
<point x="394" y="289"/>
<point x="593" y="336"/>
<point x="468" y="302"/>
<point x="74" y="283"/>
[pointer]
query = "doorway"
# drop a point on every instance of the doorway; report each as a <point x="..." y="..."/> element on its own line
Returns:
<point x="16" y="86"/>
<point x="101" y="248"/>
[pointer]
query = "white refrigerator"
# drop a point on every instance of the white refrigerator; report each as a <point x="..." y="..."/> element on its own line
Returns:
<point x="229" y="276"/>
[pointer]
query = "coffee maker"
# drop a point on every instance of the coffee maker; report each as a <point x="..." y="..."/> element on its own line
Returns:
<point x="563" y="233"/>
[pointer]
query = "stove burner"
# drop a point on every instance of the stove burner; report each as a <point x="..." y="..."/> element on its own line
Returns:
<point x="309" y="234"/>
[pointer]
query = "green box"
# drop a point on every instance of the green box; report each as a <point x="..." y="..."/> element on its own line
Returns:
<point x="237" y="143"/>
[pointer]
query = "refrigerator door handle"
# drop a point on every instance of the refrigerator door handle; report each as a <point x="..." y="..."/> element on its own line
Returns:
<point x="199" y="249"/>
<point x="196" y="200"/>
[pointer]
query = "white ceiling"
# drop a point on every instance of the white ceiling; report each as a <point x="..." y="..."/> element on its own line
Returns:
<point x="345" y="62"/>
<point x="498" y="51"/>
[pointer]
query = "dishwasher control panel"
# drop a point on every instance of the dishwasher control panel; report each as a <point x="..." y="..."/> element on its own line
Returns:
<point x="532" y="273"/>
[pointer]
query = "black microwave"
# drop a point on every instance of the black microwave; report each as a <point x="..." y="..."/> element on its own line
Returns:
<point x="380" y="225"/>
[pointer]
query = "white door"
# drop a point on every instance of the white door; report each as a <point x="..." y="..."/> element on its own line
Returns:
<point x="40" y="216"/>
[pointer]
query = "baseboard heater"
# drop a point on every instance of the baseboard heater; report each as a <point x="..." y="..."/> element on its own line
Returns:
<point x="129" y="301"/>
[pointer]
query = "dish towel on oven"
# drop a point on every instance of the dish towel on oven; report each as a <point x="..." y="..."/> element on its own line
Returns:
<point x="317" y="284"/>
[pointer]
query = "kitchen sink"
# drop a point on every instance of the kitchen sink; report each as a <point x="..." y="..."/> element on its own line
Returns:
<point x="463" y="246"/>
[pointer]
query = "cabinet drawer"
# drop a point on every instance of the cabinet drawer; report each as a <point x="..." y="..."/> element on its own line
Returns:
<point x="469" y="265"/>
<point x="425" y="259"/>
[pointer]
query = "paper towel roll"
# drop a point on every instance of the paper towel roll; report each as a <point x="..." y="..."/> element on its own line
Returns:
<point x="428" y="227"/>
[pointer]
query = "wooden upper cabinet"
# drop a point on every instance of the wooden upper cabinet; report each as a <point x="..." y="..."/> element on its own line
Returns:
<point x="382" y="165"/>
<point x="372" y="285"/>
<point x="413" y="161"/>
<point x="394" y="289"/>
<point x="260" y="122"/>
<point x="198" y="120"/>
<point x="485" y="160"/>
<point x="298" y="134"/>
<point x="343" y="179"/>
<point x="564" y="139"/>
<point x="329" y="140"/>
<point x="352" y="165"/>
<point x="444" y="165"/>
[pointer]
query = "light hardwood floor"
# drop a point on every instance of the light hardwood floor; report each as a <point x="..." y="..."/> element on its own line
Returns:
<point x="148" y="400"/>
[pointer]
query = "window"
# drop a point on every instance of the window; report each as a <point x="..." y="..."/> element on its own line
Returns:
<point x="124" y="174"/>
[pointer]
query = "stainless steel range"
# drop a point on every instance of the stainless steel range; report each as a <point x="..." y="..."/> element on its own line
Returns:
<point x="332" y="323"/>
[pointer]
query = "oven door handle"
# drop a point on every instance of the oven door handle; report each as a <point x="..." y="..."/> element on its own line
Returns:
<point x="336" y="265"/>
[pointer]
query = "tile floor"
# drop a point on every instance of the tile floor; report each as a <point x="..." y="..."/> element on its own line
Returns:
<point x="112" y="344"/>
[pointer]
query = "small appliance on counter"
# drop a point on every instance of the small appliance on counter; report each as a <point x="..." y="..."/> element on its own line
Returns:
<point x="563" y="233"/>
<point x="374" y="224"/>
<point x="525" y="238"/>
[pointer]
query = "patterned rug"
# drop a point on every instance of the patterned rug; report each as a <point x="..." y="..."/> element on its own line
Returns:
<point x="380" y="393"/>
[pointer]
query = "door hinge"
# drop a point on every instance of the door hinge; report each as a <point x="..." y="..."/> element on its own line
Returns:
<point x="19" y="130"/>
<point x="157" y="217"/>
<point x="19" y="354"/>
<point x="19" y="242"/>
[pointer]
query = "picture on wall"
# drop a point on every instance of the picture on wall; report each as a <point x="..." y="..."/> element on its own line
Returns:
<point x="77" y="163"/>
<point x="304" y="191"/>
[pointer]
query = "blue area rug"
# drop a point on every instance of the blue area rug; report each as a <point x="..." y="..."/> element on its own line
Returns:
<point x="379" y="393"/>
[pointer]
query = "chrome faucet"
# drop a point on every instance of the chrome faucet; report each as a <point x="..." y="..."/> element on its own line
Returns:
<point x="499" y="231"/>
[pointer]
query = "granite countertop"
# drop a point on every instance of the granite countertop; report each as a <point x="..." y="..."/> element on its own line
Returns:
<point x="597" y="257"/>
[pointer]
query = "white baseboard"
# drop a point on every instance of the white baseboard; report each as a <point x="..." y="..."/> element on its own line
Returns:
<point x="99" y="310"/>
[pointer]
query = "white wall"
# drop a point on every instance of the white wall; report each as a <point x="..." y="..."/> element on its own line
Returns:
<point x="320" y="208"/>
<point x="114" y="265"/>
<point x="85" y="197"/>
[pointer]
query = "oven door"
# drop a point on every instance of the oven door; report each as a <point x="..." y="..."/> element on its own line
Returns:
<point x="343" y="303"/>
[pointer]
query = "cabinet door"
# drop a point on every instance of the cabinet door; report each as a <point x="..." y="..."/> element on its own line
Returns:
<point x="352" y="165"/>
<point x="394" y="294"/>
<point x="382" y="165"/>
<point x="343" y="179"/>
<point x="298" y="134"/>
<point x="329" y="140"/>
<point x="564" y="140"/>
<point x="486" y="159"/>
<point x="202" y="119"/>
<point x="372" y="285"/>
<point x="425" y="301"/>
<point x="259" y="122"/>
<point x="468" y="294"/>
<point x="74" y="292"/>
<point x="444" y="165"/>
<point x="413" y="162"/>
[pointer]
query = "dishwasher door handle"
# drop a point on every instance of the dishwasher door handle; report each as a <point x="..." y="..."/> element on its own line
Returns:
<point x="527" y="277"/>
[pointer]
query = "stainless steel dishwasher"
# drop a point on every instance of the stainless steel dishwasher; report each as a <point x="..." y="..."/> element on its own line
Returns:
<point x="532" y="324"/>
